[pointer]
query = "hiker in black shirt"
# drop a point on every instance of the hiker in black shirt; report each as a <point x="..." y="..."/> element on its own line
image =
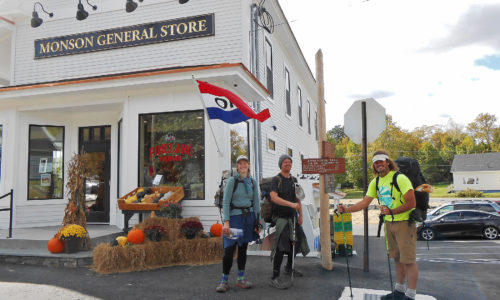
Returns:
<point x="285" y="208"/>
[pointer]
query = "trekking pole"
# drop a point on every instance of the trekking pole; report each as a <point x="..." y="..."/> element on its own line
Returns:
<point x="294" y="238"/>
<point x="345" y="251"/>
<point x="388" y="259"/>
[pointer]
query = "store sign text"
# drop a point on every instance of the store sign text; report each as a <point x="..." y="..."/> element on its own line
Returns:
<point x="163" y="31"/>
<point x="164" y="151"/>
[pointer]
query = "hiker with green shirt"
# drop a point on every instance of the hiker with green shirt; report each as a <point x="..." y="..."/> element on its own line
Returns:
<point x="400" y="231"/>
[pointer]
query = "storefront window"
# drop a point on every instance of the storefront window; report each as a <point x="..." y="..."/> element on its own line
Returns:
<point x="45" y="166"/>
<point x="172" y="151"/>
<point x="239" y="141"/>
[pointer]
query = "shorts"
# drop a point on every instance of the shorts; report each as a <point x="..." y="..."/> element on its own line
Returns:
<point x="402" y="241"/>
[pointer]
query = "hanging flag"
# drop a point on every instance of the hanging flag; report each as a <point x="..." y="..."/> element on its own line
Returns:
<point x="226" y="106"/>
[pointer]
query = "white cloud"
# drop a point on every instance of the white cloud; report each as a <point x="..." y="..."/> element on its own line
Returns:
<point x="376" y="49"/>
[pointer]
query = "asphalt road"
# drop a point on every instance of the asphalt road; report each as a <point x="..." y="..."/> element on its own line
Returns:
<point x="451" y="269"/>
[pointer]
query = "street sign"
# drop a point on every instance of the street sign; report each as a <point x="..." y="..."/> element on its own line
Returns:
<point x="328" y="150"/>
<point x="375" y="120"/>
<point x="323" y="165"/>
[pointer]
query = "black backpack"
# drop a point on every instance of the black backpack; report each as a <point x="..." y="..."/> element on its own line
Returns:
<point x="219" y="194"/>
<point x="411" y="168"/>
<point x="266" y="205"/>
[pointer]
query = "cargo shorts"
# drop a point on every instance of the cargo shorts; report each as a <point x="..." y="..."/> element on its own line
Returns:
<point x="402" y="241"/>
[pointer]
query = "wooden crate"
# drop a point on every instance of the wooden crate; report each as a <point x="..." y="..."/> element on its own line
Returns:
<point x="178" y="194"/>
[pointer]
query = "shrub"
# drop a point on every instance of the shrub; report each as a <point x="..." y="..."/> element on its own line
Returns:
<point x="469" y="193"/>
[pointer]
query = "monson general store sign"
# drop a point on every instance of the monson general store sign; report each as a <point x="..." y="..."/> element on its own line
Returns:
<point x="163" y="31"/>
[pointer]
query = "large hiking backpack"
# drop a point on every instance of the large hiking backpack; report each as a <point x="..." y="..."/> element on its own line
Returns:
<point x="411" y="168"/>
<point x="219" y="194"/>
<point x="266" y="205"/>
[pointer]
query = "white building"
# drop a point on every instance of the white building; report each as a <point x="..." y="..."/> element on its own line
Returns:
<point x="120" y="85"/>
<point x="480" y="172"/>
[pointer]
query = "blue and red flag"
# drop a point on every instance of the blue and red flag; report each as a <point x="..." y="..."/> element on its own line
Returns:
<point x="226" y="106"/>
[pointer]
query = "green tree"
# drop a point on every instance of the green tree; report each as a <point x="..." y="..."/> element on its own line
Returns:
<point x="483" y="129"/>
<point x="336" y="133"/>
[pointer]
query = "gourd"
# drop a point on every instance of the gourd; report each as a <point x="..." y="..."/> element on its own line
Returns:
<point x="122" y="241"/>
<point x="55" y="245"/>
<point x="216" y="229"/>
<point x="136" y="236"/>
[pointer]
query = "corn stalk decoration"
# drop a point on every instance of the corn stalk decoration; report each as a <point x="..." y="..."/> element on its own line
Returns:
<point x="74" y="213"/>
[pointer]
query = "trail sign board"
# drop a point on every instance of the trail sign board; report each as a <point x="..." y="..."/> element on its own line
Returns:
<point x="328" y="149"/>
<point x="323" y="165"/>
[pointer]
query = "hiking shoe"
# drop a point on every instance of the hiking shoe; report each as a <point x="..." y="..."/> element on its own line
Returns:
<point x="222" y="288"/>
<point x="296" y="273"/>
<point x="278" y="283"/>
<point x="245" y="284"/>
<point x="396" y="295"/>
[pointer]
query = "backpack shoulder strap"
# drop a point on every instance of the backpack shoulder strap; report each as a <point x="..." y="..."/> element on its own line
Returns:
<point x="376" y="188"/>
<point x="395" y="181"/>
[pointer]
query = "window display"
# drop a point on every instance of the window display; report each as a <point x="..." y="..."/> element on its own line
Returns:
<point x="45" y="166"/>
<point x="172" y="151"/>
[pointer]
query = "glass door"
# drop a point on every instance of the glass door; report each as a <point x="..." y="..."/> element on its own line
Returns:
<point x="96" y="142"/>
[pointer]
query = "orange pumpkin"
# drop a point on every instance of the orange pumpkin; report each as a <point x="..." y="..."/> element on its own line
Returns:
<point x="216" y="229"/>
<point x="55" y="245"/>
<point x="136" y="236"/>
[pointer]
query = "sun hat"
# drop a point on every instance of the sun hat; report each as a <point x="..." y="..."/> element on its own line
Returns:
<point x="242" y="157"/>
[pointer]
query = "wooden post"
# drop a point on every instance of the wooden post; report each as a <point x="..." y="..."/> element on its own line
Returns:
<point x="324" y="225"/>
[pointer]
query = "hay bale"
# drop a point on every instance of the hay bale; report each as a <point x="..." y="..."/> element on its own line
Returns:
<point x="152" y="255"/>
<point x="172" y="226"/>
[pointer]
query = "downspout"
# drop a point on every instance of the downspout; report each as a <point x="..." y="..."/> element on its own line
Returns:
<point x="257" y="132"/>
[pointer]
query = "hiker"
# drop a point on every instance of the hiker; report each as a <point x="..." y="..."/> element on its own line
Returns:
<point x="286" y="205"/>
<point x="400" y="231"/>
<point x="240" y="211"/>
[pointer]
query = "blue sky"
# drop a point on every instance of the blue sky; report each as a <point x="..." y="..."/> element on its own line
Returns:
<point x="427" y="62"/>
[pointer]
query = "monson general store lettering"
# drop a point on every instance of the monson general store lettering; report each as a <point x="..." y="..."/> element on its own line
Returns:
<point x="184" y="28"/>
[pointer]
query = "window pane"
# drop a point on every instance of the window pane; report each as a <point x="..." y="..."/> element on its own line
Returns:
<point x="316" y="124"/>
<point x="271" y="144"/>
<point x="308" y="117"/>
<point x="299" y="94"/>
<point x="451" y="217"/>
<point x="172" y="145"/>
<point x="97" y="133"/>
<point x="239" y="141"/>
<point x="45" y="173"/>
<point x="287" y="93"/>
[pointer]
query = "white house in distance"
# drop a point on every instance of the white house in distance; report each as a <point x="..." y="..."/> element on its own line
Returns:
<point x="479" y="172"/>
<point x="119" y="84"/>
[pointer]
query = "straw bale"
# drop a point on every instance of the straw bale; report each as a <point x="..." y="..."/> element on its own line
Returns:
<point x="151" y="255"/>
<point x="172" y="226"/>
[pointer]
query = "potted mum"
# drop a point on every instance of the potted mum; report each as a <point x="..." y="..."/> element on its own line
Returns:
<point x="171" y="210"/>
<point x="191" y="228"/>
<point x="71" y="236"/>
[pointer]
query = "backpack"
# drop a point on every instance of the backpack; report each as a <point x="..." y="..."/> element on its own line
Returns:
<point x="219" y="194"/>
<point x="266" y="205"/>
<point x="411" y="168"/>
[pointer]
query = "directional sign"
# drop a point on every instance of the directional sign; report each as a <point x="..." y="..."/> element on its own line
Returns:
<point x="323" y="165"/>
<point x="375" y="121"/>
<point x="328" y="149"/>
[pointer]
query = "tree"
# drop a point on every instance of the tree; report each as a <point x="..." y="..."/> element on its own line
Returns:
<point x="483" y="129"/>
<point x="336" y="133"/>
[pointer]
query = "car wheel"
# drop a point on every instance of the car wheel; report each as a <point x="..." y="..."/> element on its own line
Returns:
<point x="427" y="234"/>
<point x="490" y="232"/>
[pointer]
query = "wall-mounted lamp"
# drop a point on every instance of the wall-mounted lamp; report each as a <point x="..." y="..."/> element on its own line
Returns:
<point x="81" y="13"/>
<point x="131" y="5"/>
<point x="35" y="20"/>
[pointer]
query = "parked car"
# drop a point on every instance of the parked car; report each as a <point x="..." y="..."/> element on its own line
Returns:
<point x="461" y="222"/>
<point x="482" y="205"/>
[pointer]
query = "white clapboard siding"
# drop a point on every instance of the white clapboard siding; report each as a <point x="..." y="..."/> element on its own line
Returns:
<point x="225" y="46"/>
<point x="39" y="215"/>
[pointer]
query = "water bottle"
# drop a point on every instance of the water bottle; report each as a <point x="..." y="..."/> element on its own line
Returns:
<point x="234" y="233"/>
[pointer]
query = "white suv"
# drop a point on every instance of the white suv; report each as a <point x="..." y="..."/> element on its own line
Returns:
<point x="482" y="205"/>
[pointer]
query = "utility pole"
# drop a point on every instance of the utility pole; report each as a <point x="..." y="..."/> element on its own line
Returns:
<point x="324" y="224"/>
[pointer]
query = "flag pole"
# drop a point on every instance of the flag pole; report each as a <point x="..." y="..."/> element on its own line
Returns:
<point x="206" y="115"/>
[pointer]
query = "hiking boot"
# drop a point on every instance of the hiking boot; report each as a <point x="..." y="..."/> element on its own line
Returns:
<point x="222" y="287"/>
<point x="296" y="273"/>
<point x="396" y="295"/>
<point x="278" y="283"/>
<point x="245" y="284"/>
